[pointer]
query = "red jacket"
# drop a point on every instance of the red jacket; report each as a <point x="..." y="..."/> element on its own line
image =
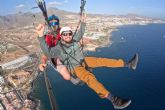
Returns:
<point x="51" y="40"/>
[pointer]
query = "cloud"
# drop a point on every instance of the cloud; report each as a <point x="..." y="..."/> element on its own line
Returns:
<point x="55" y="3"/>
<point x="20" y="6"/>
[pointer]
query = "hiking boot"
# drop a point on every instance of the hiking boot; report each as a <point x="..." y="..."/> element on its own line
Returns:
<point x="119" y="103"/>
<point x="133" y="62"/>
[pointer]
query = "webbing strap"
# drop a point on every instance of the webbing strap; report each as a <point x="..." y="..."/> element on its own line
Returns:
<point x="50" y="92"/>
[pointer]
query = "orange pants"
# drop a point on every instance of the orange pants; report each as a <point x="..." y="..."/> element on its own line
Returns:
<point x="90" y="79"/>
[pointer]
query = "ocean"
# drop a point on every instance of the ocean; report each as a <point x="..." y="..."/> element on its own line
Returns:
<point x="145" y="86"/>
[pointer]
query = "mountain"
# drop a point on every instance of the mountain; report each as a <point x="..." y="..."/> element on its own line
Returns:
<point x="26" y="19"/>
<point x="15" y="20"/>
<point x="23" y="19"/>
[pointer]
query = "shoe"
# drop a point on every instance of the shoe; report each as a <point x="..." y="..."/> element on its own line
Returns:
<point x="133" y="62"/>
<point x="119" y="103"/>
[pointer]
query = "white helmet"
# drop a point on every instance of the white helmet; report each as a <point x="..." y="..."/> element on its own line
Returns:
<point x="65" y="29"/>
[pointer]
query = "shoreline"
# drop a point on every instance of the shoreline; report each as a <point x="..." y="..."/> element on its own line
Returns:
<point x="106" y="42"/>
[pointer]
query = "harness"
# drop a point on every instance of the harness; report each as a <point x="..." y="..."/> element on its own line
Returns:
<point x="74" y="79"/>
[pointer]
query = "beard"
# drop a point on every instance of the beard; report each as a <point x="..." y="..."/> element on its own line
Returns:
<point x="67" y="40"/>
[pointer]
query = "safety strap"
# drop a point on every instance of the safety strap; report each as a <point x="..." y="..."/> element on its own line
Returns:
<point x="50" y="92"/>
<point x="70" y="64"/>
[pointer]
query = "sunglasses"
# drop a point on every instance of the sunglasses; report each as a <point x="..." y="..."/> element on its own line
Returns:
<point x="54" y="23"/>
<point x="67" y="34"/>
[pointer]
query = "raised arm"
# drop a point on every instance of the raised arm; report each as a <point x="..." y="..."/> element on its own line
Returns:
<point x="49" y="52"/>
<point x="78" y="36"/>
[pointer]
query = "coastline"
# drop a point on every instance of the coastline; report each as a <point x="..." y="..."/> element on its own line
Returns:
<point x="107" y="38"/>
<point x="104" y="43"/>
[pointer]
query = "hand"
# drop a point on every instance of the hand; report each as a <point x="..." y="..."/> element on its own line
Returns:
<point x="42" y="66"/>
<point x="40" y="30"/>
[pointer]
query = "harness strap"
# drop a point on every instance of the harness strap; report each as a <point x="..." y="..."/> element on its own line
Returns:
<point x="86" y="66"/>
<point x="50" y="92"/>
<point x="81" y="63"/>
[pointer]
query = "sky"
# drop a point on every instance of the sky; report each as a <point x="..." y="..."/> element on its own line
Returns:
<point x="150" y="8"/>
